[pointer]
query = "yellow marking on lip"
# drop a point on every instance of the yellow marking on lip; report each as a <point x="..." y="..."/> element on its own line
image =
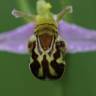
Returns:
<point x="59" y="60"/>
<point x="32" y="38"/>
<point x="49" y="58"/>
<point x="40" y="72"/>
<point x="52" y="71"/>
<point x="40" y="58"/>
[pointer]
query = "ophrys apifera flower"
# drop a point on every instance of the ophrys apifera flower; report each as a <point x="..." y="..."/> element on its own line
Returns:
<point x="49" y="38"/>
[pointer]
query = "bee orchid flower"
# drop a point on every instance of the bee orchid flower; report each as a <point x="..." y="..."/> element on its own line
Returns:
<point x="47" y="39"/>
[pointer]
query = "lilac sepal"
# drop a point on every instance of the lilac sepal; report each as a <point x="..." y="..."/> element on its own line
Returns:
<point x="16" y="40"/>
<point x="78" y="39"/>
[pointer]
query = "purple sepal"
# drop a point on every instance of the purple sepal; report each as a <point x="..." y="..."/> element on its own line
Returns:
<point x="78" y="39"/>
<point x="16" y="40"/>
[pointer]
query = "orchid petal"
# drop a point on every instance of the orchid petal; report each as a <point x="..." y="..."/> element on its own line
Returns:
<point x="16" y="40"/>
<point x="78" y="39"/>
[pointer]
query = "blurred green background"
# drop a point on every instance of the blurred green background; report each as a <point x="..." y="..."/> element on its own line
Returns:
<point x="80" y="77"/>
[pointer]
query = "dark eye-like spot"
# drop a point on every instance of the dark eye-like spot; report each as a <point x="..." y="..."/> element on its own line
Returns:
<point x="59" y="68"/>
<point x="60" y="44"/>
<point x="29" y="44"/>
<point x="34" y="66"/>
<point x="45" y="66"/>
